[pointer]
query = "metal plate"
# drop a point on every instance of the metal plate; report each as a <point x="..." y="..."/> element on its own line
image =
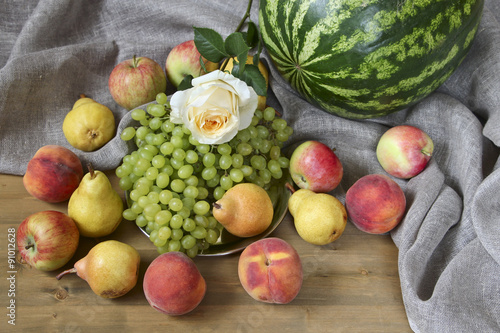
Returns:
<point x="228" y="243"/>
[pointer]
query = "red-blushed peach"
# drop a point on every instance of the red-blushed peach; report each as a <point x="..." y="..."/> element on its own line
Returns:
<point x="173" y="284"/>
<point x="53" y="174"/>
<point x="375" y="204"/>
<point x="270" y="270"/>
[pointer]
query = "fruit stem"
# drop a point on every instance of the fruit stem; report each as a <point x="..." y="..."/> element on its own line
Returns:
<point x="135" y="62"/>
<point x="29" y="246"/>
<point x="217" y="205"/>
<point x="290" y="187"/>
<point x="82" y="96"/>
<point x="68" y="271"/>
<point x="91" y="170"/>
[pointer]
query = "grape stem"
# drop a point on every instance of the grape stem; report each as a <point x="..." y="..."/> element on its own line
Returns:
<point x="290" y="187"/>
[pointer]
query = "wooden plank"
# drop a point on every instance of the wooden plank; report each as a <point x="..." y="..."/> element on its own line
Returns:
<point x="351" y="285"/>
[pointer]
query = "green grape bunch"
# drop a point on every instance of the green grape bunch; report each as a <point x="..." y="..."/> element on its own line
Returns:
<point x="172" y="180"/>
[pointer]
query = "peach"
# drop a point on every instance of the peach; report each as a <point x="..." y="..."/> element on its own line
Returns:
<point x="270" y="271"/>
<point x="173" y="284"/>
<point x="375" y="204"/>
<point x="53" y="174"/>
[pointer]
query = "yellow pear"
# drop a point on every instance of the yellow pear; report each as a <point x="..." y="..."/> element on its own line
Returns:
<point x="95" y="206"/>
<point x="89" y="125"/>
<point x="111" y="268"/>
<point x="261" y="101"/>
<point x="319" y="218"/>
<point x="245" y="210"/>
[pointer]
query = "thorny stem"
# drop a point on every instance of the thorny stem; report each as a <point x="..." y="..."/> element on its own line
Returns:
<point x="238" y="28"/>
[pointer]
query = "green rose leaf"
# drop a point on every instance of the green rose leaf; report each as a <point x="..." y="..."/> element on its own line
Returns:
<point x="236" y="45"/>
<point x="185" y="83"/>
<point x="253" y="77"/>
<point x="252" y="35"/>
<point x="210" y="44"/>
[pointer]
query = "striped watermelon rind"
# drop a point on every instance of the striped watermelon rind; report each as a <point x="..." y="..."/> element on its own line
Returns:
<point x="367" y="58"/>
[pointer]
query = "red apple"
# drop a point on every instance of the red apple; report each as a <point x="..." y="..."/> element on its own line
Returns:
<point x="183" y="60"/>
<point x="314" y="166"/>
<point x="53" y="174"/>
<point x="136" y="81"/>
<point x="173" y="284"/>
<point x="47" y="240"/>
<point x="375" y="204"/>
<point x="404" y="151"/>
<point x="270" y="271"/>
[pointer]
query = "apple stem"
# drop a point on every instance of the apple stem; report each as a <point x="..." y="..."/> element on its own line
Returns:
<point x="135" y="62"/>
<point x="68" y="271"/>
<point x="29" y="246"/>
<point x="217" y="205"/>
<point x="91" y="170"/>
<point x="82" y="96"/>
<point x="290" y="187"/>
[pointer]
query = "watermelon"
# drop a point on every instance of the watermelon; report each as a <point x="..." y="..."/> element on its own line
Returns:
<point x="363" y="59"/>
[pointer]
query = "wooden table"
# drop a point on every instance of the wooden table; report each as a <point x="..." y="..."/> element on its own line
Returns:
<point x="351" y="285"/>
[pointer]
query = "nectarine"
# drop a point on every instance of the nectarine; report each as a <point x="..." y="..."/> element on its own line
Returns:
<point x="375" y="204"/>
<point x="53" y="174"/>
<point x="270" y="270"/>
<point x="173" y="284"/>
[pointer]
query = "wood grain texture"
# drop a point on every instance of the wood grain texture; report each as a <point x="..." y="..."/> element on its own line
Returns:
<point x="351" y="285"/>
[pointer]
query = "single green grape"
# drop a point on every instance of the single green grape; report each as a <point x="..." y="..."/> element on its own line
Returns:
<point x="127" y="134"/>
<point x="188" y="241"/>
<point x="199" y="232"/>
<point x="225" y="161"/>
<point x="269" y="114"/>
<point x="208" y="159"/>
<point x="161" y="98"/>
<point x="177" y="185"/>
<point x="167" y="126"/>
<point x="155" y="123"/>
<point x="138" y="114"/>
<point x="209" y="173"/>
<point x="175" y="204"/>
<point x="224" y="149"/>
<point x="189" y="224"/>
<point x="185" y="171"/>
<point x="176" y="221"/>
<point x="236" y="175"/>
<point x="163" y="217"/>
<point x="226" y="182"/>
<point x="201" y="207"/>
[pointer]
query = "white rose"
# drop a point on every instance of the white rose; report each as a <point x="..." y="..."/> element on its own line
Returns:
<point x="215" y="108"/>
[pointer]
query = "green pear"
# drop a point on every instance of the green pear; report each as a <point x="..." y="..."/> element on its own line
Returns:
<point x="95" y="206"/>
<point x="111" y="268"/>
<point x="319" y="218"/>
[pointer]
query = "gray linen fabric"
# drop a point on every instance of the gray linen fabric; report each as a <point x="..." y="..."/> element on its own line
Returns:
<point x="449" y="241"/>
